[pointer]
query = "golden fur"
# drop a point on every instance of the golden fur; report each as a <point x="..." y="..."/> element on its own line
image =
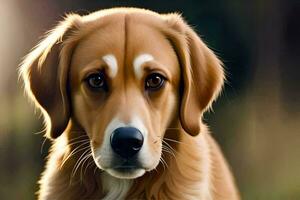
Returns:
<point x="191" y="165"/>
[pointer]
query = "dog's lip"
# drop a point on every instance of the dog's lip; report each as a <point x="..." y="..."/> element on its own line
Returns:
<point x="126" y="173"/>
<point x="127" y="166"/>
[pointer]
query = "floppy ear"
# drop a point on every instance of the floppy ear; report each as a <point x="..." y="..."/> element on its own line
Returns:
<point x="202" y="73"/>
<point x="45" y="73"/>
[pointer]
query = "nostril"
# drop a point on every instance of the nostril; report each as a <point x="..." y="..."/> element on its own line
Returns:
<point x="126" y="141"/>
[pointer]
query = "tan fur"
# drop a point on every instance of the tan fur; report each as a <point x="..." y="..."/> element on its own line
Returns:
<point x="193" y="166"/>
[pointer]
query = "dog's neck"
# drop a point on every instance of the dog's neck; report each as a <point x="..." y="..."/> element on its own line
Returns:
<point x="114" y="188"/>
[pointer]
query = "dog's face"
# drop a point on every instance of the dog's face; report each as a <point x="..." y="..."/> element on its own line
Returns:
<point x="123" y="76"/>
<point x="125" y="94"/>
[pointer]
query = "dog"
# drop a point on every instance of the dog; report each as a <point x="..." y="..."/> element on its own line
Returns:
<point x="122" y="92"/>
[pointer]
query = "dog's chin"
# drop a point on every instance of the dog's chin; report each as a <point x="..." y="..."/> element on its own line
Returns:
<point x="126" y="173"/>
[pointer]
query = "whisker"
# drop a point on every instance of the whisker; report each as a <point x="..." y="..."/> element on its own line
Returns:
<point x="73" y="152"/>
<point x="169" y="146"/>
<point x="165" y="163"/>
<point x="167" y="150"/>
<point x="77" y="164"/>
<point x="82" y="149"/>
<point x="86" y="158"/>
<point x="172" y="140"/>
<point x="88" y="165"/>
<point x="78" y="138"/>
<point x="86" y="150"/>
<point x="79" y="141"/>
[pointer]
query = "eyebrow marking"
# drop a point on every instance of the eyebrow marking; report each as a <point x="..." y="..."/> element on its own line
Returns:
<point x="112" y="64"/>
<point x="138" y="62"/>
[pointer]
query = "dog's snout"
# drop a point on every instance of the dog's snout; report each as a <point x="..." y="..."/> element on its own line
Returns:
<point x="126" y="141"/>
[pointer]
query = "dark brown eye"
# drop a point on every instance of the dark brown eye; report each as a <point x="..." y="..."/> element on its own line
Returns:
<point x="154" y="81"/>
<point x="96" y="81"/>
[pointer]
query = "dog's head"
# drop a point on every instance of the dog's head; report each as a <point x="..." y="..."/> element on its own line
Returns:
<point x="124" y="76"/>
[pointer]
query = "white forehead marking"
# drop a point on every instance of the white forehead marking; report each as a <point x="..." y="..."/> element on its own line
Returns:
<point x="138" y="62"/>
<point x="111" y="61"/>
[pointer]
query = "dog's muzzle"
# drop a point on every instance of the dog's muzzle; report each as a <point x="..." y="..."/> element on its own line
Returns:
<point x="126" y="141"/>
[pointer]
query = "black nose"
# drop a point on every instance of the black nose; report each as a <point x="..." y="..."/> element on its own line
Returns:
<point x="126" y="141"/>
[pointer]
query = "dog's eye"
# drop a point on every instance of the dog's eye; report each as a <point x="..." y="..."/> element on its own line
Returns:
<point x="154" y="81"/>
<point x="96" y="81"/>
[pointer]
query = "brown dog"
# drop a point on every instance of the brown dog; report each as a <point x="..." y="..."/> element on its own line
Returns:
<point x="123" y="92"/>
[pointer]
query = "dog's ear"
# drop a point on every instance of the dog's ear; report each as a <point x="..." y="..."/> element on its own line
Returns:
<point x="202" y="73"/>
<point x="45" y="73"/>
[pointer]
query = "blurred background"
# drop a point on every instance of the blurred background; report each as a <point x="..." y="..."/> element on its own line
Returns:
<point x="256" y="120"/>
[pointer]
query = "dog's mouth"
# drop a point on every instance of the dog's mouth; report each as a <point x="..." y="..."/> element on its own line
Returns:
<point x="127" y="170"/>
<point x="127" y="165"/>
